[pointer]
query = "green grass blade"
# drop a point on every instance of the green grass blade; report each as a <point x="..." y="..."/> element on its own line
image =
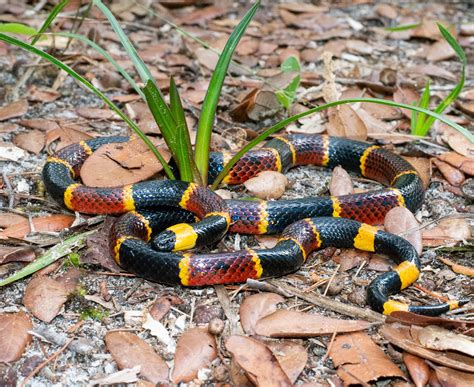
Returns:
<point x="421" y="117"/>
<point x="402" y="27"/>
<point x="17" y="28"/>
<point x="451" y="97"/>
<point x="208" y="112"/>
<point x="280" y="125"/>
<point x="52" y="15"/>
<point x="107" y="56"/>
<point x="30" y="48"/>
<point x="184" y="148"/>
<point x="60" y="250"/>
<point x="142" y="69"/>
<point x="413" y="122"/>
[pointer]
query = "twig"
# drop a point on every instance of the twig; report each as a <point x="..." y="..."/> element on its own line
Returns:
<point x="48" y="360"/>
<point x="348" y="310"/>
<point x="331" y="279"/>
<point x="11" y="193"/>
<point x="224" y="300"/>
<point x="267" y="287"/>
<point x="333" y="336"/>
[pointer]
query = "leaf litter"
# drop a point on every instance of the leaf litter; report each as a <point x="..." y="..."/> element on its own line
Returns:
<point x="51" y="113"/>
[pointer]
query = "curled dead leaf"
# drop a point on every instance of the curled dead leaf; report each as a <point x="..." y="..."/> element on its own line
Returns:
<point x="452" y="175"/>
<point x="441" y="339"/>
<point x="291" y="356"/>
<point x="344" y="122"/>
<point x="267" y="185"/>
<point x="257" y="306"/>
<point x="196" y="349"/>
<point x="418" y="369"/>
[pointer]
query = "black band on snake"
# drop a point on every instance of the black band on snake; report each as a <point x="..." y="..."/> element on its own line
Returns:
<point x="160" y="211"/>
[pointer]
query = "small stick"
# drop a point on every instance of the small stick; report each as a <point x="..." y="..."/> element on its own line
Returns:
<point x="267" y="287"/>
<point x="11" y="193"/>
<point x="348" y="310"/>
<point x="48" y="360"/>
<point x="331" y="279"/>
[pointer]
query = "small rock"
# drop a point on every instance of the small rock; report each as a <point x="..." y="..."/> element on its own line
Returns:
<point x="216" y="326"/>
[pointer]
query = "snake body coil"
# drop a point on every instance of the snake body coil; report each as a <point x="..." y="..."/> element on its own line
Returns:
<point x="306" y="224"/>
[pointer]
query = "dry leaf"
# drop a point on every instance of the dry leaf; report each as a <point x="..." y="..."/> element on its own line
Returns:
<point x="409" y="318"/>
<point x="16" y="254"/>
<point x="32" y="141"/>
<point x="418" y="369"/>
<point x="406" y="337"/>
<point x="97" y="114"/>
<point x="42" y="94"/>
<point x="120" y="164"/>
<point x="129" y="351"/>
<point x="359" y="360"/>
<point x="341" y="182"/>
<point x="267" y="185"/>
<point x="49" y="223"/>
<point x="287" y="323"/>
<point x="431" y="71"/>
<point x="465" y="164"/>
<point x="40" y="124"/>
<point x="398" y="220"/>
<point x="44" y="297"/>
<point x="163" y="304"/>
<point x="386" y="10"/>
<point x="452" y="175"/>
<point x="67" y="134"/>
<point x="196" y="349"/>
<point x="344" y="122"/>
<point x="14" y="336"/>
<point x="452" y="378"/>
<point x="15" y="109"/>
<point x="408" y="96"/>
<point x="441" y="339"/>
<point x="258" y="362"/>
<point x="439" y="51"/>
<point x="456" y="229"/>
<point x="291" y="356"/>
<point x="458" y="268"/>
<point x="257" y="306"/>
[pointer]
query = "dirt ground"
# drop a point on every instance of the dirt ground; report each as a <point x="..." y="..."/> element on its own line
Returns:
<point x="58" y="111"/>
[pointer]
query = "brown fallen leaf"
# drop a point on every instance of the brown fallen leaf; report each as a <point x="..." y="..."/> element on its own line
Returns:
<point x="449" y="229"/>
<point x="463" y="163"/>
<point x="409" y="318"/>
<point x="428" y="29"/>
<point x="341" y="182"/>
<point x="256" y="105"/>
<point x="291" y="356"/>
<point x="163" y="304"/>
<point x="456" y="140"/>
<point x="257" y="306"/>
<point x="14" y="336"/>
<point x="40" y="124"/>
<point x="9" y="219"/>
<point x="441" y="339"/>
<point x="406" y="337"/>
<point x="36" y="94"/>
<point x="196" y="349"/>
<point x="258" y="362"/>
<point x="466" y="107"/>
<point x="49" y="223"/>
<point x="460" y="269"/>
<point x="267" y="185"/>
<point x="452" y="378"/>
<point x="386" y="10"/>
<point x="16" y="254"/>
<point x="406" y="95"/>
<point x="128" y="351"/>
<point x="418" y="369"/>
<point x="32" y="141"/>
<point x="14" y="109"/>
<point x="344" y="122"/>
<point x="453" y="175"/>
<point x="439" y="51"/>
<point x="350" y="258"/>
<point x="97" y="114"/>
<point x="67" y="135"/>
<point x="44" y="297"/>
<point x="122" y="163"/>
<point x="400" y="219"/>
<point x="288" y="323"/>
<point x="359" y="360"/>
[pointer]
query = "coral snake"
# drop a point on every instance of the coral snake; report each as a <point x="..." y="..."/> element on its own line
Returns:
<point x="176" y="215"/>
